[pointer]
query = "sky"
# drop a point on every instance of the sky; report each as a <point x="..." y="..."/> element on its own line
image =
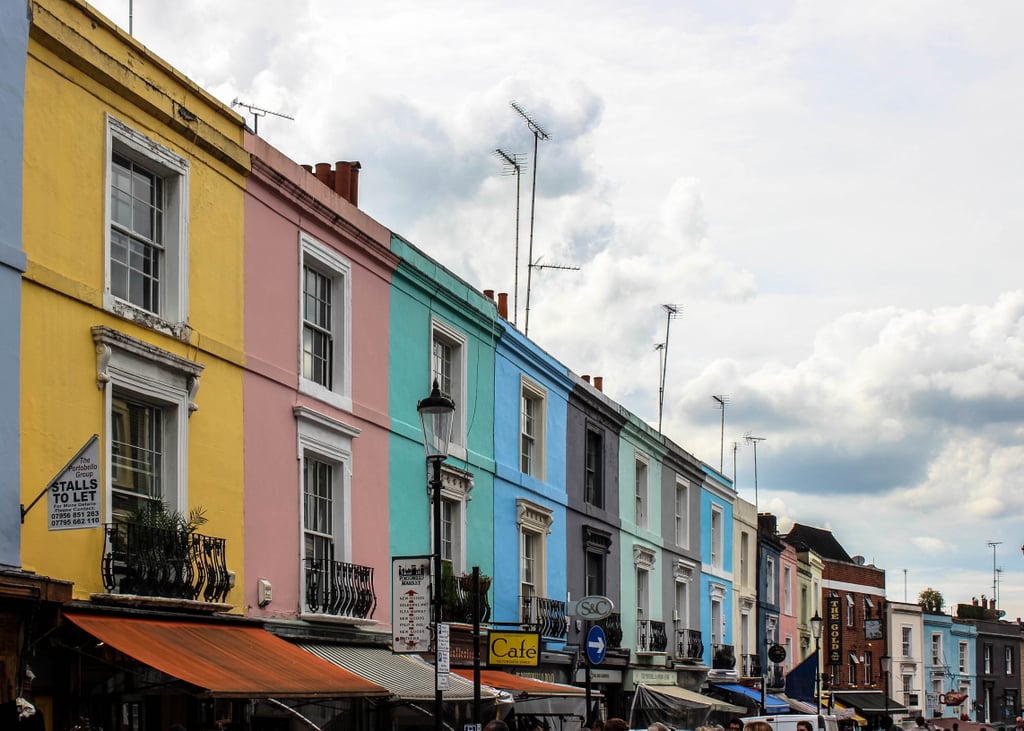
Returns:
<point x="829" y="191"/>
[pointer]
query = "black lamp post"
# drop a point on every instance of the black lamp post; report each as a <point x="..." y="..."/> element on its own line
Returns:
<point x="436" y="412"/>
<point x="816" y="625"/>
<point x="886" y="664"/>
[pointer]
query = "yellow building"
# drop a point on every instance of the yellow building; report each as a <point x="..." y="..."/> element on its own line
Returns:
<point x="132" y="324"/>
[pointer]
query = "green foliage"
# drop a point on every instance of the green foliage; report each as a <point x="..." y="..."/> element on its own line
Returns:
<point x="931" y="600"/>
<point x="156" y="515"/>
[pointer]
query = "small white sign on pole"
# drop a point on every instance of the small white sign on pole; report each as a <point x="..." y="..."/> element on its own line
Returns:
<point x="444" y="664"/>
<point x="74" y="494"/>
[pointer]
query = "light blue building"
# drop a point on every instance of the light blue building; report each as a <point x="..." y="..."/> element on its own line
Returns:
<point x="14" y="23"/>
<point x="716" y="545"/>
<point x="950" y="665"/>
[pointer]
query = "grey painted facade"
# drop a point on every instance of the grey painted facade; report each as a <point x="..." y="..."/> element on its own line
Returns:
<point x="14" y="24"/>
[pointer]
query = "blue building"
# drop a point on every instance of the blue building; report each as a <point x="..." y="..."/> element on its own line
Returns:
<point x="531" y="394"/>
<point x="716" y="546"/>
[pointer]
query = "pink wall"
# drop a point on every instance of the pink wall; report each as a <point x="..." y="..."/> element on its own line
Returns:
<point x="283" y="199"/>
<point x="789" y="620"/>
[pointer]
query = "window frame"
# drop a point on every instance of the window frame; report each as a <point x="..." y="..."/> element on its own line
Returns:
<point x="907" y="640"/>
<point x="329" y="441"/>
<point x="317" y="256"/>
<point x="531" y="392"/>
<point x="534" y="520"/>
<point x="171" y="312"/>
<point x="936" y="648"/>
<point x="1008" y="660"/>
<point x="130" y="366"/>
<point x="963" y="657"/>
<point x="769" y="579"/>
<point x="851" y="610"/>
<point x="442" y="332"/>
<point x="787" y="590"/>
<point x="717" y="537"/>
<point x="593" y="467"/>
<point x="682" y="512"/>
<point x="642" y="490"/>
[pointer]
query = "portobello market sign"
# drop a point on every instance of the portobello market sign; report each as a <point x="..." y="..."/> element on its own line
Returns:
<point x="835" y="631"/>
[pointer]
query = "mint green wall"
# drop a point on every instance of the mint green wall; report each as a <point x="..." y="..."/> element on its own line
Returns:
<point x="421" y="288"/>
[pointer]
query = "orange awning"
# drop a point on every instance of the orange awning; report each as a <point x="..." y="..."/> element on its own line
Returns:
<point x="227" y="660"/>
<point x="519" y="684"/>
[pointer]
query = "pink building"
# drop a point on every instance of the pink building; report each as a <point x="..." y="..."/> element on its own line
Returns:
<point x="789" y="607"/>
<point x="317" y="289"/>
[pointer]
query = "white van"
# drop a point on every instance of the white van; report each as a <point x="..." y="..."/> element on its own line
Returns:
<point x="788" y="721"/>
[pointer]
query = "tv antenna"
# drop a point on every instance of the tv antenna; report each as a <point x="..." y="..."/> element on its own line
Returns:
<point x="256" y="113"/>
<point x="735" y="449"/>
<point x="751" y="439"/>
<point x="512" y="164"/>
<point x="995" y="572"/>
<point x="721" y="400"/>
<point x="672" y="312"/>
<point x="539" y="133"/>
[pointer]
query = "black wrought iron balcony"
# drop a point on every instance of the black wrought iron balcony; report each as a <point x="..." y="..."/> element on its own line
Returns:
<point x="723" y="657"/>
<point x="651" y="636"/>
<point x="339" y="589"/>
<point x="544" y="615"/>
<point x="689" y="644"/>
<point x="164" y="562"/>
<point x="750" y="666"/>
<point x="457" y="598"/>
<point x="612" y="626"/>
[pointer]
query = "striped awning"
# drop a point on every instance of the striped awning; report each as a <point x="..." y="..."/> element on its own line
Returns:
<point x="406" y="676"/>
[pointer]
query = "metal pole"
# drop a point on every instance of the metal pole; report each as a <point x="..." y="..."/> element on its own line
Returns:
<point x="435" y="488"/>
<point x="529" y="255"/>
<point x="817" y="672"/>
<point x="476" y="645"/>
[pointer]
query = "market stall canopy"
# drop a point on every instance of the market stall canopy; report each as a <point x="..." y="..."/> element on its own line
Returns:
<point x="772" y="704"/>
<point x="408" y="678"/>
<point x="226" y="660"/>
<point x="521" y="686"/>
<point x="867" y="701"/>
<point x="689" y="698"/>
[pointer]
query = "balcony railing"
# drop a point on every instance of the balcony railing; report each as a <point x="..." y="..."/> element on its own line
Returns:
<point x="750" y="666"/>
<point x="164" y="562"/>
<point x="339" y="589"/>
<point x="457" y="599"/>
<point x="544" y="615"/>
<point x="612" y="626"/>
<point x="689" y="644"/>
<point x="723" y="657"/>
<point x="651" y="636"/>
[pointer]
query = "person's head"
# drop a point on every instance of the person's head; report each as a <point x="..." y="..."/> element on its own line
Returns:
<point x="736" y="724"/>
<point x="1020" y="722"/>
<point x="804" y="726"/>
<point x="615" y="724"/>
<point x="496" y="725"/>
<point x="658" y="726"/>
<point x="956" y="726"/>
<point x="919" y="721"/>
<point x="597" y="725"/>
<point x="757" y="726"/>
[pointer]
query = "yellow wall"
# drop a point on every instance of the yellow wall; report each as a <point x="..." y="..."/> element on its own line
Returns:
<point x="80" y="68"/>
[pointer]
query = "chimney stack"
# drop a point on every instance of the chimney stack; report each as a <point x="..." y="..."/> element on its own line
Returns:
<point x="503" y="305"/>
<point x="489" y="294"/>
<point x="599" y="383"/>
<point x="343" y="180"/>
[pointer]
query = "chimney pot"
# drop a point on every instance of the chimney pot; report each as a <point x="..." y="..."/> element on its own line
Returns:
<point x="353" y="186"/>
<point x="324" y="174"/>
<point x="503" y="305"/>
<point x="586" y="378"/>
<point x="599" y="383"/>
<point x="308" y="168"/>
<point x="489" y="294"/>
<point x="342" y="180"/>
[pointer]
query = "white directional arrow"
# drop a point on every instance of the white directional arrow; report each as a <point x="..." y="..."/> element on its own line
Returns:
<point x="598" y="644"/>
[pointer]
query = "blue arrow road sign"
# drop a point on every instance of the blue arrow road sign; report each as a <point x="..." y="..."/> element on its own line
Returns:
<point x="596" y="645"/>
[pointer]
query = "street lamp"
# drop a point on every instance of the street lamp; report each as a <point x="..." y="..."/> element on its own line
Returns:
<point x="886" y="664"/>
<point x="436" y="418"/>
<point x="816" y="625"/>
